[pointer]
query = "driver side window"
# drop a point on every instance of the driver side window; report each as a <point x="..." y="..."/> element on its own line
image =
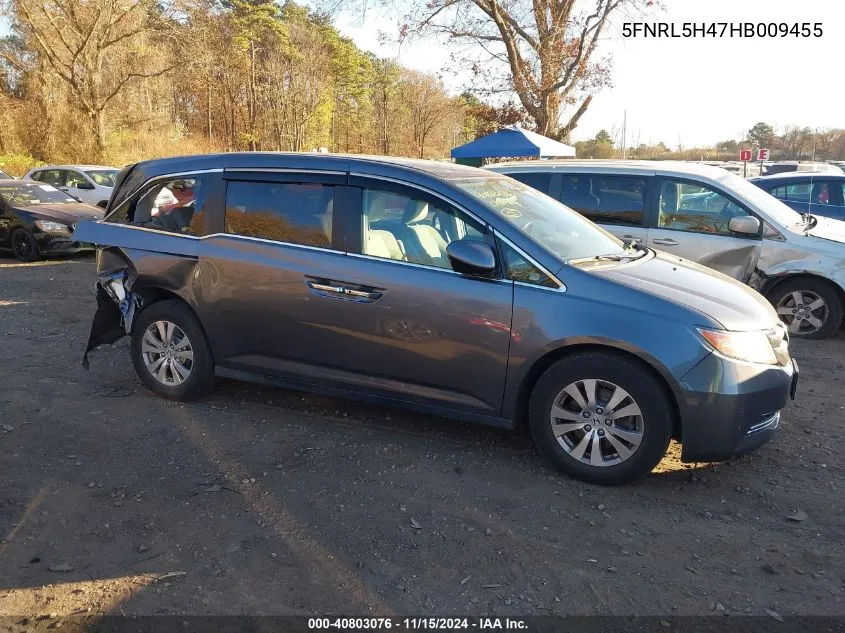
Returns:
<point x="414" y="230"/>
<point x="695" y="208"/>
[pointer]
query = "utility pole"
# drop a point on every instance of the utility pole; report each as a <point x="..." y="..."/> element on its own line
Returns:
<point x="624" y="133"/>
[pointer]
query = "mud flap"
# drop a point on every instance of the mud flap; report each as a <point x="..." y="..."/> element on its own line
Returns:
<point x="116" y="308"/>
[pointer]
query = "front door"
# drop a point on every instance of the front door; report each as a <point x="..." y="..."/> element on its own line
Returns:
<point x="692" y="222"/>
<point x="826" y="198"/>
<point x="431" y="336"/>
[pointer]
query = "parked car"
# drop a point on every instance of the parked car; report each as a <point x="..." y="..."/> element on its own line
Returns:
<point x="819" y="194"/>
<point x="789" y="166"/>
<point x="91" y="184"/>
<point x="38" y="219"/>
<point x="443" y="288"/>
<point x="715" y="218"/>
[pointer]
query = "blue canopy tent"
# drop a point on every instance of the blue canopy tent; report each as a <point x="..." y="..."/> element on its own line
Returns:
<point x="511" y="142"/>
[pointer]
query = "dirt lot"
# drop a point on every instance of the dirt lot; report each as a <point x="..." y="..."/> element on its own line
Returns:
<point x="264" y="501"/>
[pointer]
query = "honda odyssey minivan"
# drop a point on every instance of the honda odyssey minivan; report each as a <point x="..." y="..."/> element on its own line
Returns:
<point x="446" y="289"/>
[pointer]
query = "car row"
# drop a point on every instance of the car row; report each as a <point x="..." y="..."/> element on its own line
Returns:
<point x="817" y="194"/>
<point x="448" y="289"/>
<point x="710" y="216"/>
<point x="37" y="219"/>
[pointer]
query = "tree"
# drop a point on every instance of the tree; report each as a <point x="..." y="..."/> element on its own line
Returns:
<point x="603" y="137"/>
<point x="542" y="50"/>
<point x="483" y="118"/>
<point x="427" y="103"/>
<point x="95" y="47"/>
<point x="762" y="134"/>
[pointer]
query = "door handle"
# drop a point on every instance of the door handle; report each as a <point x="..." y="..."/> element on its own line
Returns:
<point x="633" y="239"/>
<point x="345" y="292"/>
<point x="666" y="241"/>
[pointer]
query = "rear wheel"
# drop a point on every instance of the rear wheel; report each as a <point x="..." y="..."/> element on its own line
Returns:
<point x="170" y="352"/>
<point x="601" y="417"/>
<point x="24" y="245"/>
<point x="810" y="308"/>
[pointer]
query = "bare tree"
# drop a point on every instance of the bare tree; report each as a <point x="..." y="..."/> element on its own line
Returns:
<point x="427" y="103"/>
<point x="95" y="47"/>
<point x="543" y="50"/>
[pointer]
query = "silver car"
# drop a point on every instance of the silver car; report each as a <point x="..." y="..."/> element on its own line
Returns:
<point x="710" y="216"/>
<point x="91" y="184"/>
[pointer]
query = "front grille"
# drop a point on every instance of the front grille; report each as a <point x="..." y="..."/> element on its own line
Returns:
<point x="770" y="421"/>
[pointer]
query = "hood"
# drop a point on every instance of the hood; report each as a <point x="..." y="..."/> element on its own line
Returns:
<point x="829" y="229"/>
<point x="732" y="304"/>
<point x="65" y="213"/>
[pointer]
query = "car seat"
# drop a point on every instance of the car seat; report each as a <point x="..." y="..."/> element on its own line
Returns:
<point x="423" y="243"/>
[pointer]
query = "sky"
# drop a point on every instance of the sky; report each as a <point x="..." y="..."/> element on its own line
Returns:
<point x="687" y="91"/>
<point x="693" y="91"/>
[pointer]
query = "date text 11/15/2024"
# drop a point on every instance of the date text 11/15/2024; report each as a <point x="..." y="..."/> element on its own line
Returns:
<point x="417" y="624"/>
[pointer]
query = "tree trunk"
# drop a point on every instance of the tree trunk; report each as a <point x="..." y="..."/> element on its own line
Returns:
<point x="208" y="110"/>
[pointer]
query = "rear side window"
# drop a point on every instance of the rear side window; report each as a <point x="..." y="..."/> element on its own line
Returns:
<point x="618" y="200"/>
<point x="55" y="177"/>
<point x="295" y="213"/>
<point x="798" y="192"/>
<point x="176" y="205"/>
<point x="538" y="180"/>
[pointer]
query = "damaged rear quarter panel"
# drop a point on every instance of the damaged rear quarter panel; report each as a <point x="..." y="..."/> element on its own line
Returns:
<point x="147" y="261"/>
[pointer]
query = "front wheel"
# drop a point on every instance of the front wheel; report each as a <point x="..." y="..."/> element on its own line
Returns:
<point x="24" y="246"/>
<point x="601" y="417"/>
<point x="170" y="351"/>
<point x="810" y="308"/>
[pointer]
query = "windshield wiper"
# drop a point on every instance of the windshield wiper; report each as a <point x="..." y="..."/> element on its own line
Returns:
<point x="611" y="257"/>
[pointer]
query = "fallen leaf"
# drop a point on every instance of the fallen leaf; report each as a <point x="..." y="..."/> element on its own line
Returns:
<point x="466" y="580"/>
<point x="774" y="615"/>
<point x="415" y="524"/>
<point x="798" y="516"/>
<point x="7" y="427"/>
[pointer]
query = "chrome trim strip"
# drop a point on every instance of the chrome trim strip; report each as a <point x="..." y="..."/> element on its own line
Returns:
<point x="770" y="422"/>
<point x="274" y="242"/>
<point x="533" y="262"/>
<point x="423" y="266"/>
<point x="285" y="170"/>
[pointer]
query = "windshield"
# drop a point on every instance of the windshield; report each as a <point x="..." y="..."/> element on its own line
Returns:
<point x="103" y="177"/>
<point x="773" y="207"/>
<point x="26" y="194"/>
<point x="556" y="227"/>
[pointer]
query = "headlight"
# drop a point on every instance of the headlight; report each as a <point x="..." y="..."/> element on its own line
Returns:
<point x="753" y="347"/>
<point x="51" y="227"/>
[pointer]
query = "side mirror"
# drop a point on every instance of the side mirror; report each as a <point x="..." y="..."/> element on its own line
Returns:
<point x="84" y="184"/>
<point x="471" y="257"/>
<point x="746" y="224"/>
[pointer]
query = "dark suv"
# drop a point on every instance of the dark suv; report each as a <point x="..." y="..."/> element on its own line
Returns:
<point x="447" y="289"/>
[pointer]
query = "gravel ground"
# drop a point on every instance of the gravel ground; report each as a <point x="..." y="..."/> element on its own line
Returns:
<point x="263" y="501"/>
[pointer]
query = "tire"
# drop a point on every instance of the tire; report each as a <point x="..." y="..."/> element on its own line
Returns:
<point x="801" y="293"/>
<point x="24" y="246"/>
<point x="172" y="382"/>
<point x="103" y="204"/>
<point x="642" y="439"/>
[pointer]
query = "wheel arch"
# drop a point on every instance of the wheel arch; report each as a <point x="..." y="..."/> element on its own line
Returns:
<point x="541" y="364"/>
<point x="151" y="295"/>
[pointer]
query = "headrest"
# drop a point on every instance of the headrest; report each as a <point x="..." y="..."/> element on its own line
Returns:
<point x="376" y="206"/>
<point x="415" y="211"/>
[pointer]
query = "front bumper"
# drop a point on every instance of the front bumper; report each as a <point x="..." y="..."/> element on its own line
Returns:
<point x="731" y="408"/>
<point x="60" y="243"/>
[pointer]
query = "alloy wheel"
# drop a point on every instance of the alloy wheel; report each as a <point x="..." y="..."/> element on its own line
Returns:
<point x="597" y="422"/>
<point x="802" y="311"/>
<point x="167" y="353"/>
<point x="23" y="245"/>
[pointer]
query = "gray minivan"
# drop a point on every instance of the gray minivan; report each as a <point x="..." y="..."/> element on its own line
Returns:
<point x="442" y="288"/>
<point x="710" y="216"/>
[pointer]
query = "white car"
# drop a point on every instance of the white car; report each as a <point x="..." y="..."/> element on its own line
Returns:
<point x="710" y="216"/>
<point x="91" y="184"/>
